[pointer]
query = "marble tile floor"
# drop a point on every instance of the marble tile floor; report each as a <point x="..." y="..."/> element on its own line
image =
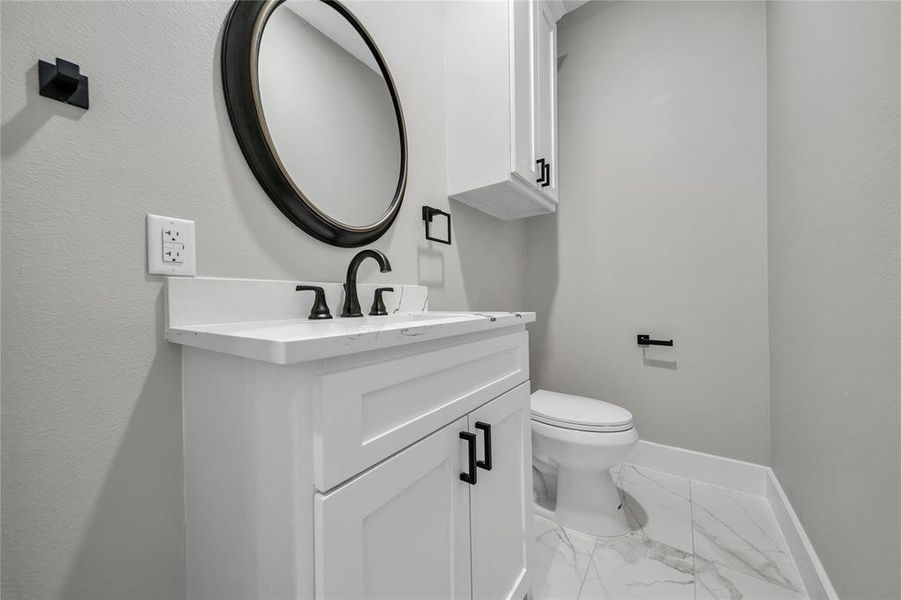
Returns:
<point x="689" y="540"/>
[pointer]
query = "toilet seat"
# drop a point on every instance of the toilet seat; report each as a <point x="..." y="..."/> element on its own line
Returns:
<point x="579" y="413"/>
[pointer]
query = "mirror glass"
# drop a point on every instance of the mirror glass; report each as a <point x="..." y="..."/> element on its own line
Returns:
<point x="329" y="112"/>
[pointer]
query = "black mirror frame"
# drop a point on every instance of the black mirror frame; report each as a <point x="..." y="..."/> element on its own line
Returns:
<point x="240" y="51"/>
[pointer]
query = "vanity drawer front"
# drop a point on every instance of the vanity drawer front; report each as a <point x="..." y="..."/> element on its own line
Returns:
<point x="365" y="414"/>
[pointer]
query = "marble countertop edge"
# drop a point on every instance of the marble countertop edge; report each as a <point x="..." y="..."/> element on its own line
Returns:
<point x="299" y="340"/>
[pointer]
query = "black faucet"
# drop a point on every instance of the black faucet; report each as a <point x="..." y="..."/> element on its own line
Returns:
<point x="351" y="300"/>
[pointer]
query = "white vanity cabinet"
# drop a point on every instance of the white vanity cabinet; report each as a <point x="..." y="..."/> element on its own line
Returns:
<point x="324" y="459"/>
<point x="501" y="87"/>
<point x="411" y="528"/>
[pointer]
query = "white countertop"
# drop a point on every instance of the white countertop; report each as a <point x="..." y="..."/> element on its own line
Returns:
<point x="291" y="341"/>
<point x="265" y="319"/>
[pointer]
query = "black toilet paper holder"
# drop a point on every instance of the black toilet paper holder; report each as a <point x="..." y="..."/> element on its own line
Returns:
<point x="645" y="340"/>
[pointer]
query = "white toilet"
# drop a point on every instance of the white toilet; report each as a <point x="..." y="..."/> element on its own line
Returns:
<point x="575" y="441"/>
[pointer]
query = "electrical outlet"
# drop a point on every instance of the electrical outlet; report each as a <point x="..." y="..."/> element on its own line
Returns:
<point x="173" y="253"/>
<point x="170" y="246"/>
<point x="172" y="234"/>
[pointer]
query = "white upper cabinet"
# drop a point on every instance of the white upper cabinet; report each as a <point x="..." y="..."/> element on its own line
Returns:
<point x="546" y="98"/>
<point x="501" y="87"/>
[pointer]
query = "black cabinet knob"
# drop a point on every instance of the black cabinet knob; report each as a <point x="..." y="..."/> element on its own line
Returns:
<point x="320" y="306"/>
<point x="378" y="304"/>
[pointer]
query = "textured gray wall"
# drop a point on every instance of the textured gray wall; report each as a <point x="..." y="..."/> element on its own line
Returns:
<point x="834" y="201"/>
<point x="662" y="222"/>
<point x="91" y="419"/>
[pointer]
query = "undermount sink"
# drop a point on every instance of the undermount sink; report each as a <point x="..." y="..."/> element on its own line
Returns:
<point x="400" y="319"/>
<point x="247" y="318"/>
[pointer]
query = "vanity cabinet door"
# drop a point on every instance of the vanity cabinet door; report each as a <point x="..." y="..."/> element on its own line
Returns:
<point x="501" y="510"/>
<point x="401" y="529"/>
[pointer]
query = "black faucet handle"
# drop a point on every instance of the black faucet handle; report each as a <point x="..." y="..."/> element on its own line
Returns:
<point x="378" y="304"/>
<point x="320" y="306"/>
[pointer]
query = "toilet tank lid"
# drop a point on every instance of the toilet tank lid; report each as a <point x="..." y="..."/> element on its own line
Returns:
<point x="578" y="410"/>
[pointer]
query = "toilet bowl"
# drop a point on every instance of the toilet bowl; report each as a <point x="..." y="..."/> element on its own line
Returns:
<point x="575" y="442"/>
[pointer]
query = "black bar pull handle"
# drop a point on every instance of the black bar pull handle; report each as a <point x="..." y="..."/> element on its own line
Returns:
<point x="645" y="340"/>
<point x="546" y="175"/>
<point x="470" y="439"/>
<point x="542" y="171"/>
<point x="486" y="430"/>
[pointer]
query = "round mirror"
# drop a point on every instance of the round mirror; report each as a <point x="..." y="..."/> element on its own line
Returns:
<point x="317" y="116"/>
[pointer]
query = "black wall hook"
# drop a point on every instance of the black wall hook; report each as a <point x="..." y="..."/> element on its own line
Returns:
<point x="64" y="82"/>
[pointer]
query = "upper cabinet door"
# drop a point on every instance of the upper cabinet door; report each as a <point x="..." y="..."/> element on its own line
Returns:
<point x="523" y="15"/>
<point x="502" y="500"/>
<point x="400" y="530"/>
<point x="546" y="98"/>
<point x="500" y="79"/>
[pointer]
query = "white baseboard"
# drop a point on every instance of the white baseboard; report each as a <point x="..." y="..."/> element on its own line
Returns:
<point x="812" y="572"/>
<point x="750" y="478"/>
<point x="732" y="474"/>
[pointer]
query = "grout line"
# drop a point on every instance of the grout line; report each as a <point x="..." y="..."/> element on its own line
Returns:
<point x="597" y="541"/>
<point x="691" y="513"/>
<point x="587" y="568"/>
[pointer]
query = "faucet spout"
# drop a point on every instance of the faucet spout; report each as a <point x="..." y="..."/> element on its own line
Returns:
<point x="351" y="300"/>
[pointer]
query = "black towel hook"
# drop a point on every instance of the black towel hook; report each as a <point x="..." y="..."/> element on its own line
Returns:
<point x="64" y="82"/>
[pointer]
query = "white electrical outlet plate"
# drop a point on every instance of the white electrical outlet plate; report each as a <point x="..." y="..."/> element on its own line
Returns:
<point x="171" y="248"/>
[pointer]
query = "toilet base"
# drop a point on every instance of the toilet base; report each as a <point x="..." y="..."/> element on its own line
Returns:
<point x="590" y="503"/>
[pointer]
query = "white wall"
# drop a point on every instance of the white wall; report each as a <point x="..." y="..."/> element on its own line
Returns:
<point x="661" y="227"/>
<point x="834" y="201"/>
<point x="91" y="418"/>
